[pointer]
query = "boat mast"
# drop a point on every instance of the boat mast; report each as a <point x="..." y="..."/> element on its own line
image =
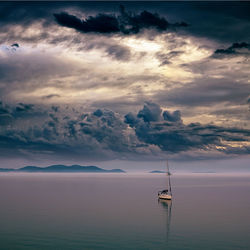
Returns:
<point x="168" y="179"/>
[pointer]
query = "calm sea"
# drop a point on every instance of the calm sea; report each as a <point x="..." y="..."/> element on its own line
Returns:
<point x="121" y="211"/>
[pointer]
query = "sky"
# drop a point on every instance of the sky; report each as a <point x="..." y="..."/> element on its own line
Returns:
<point x="121" y="82"/>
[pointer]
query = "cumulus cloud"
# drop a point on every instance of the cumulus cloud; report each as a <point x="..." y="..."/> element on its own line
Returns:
<point x="24" y="107"/>
<point x="103" y="134"/>
<point x="66" y="132"/>
<point x="172" y="117"/>
<point x="5" y="115"/>
<point x="173" y="136"/>
<point x="151" y="112"/>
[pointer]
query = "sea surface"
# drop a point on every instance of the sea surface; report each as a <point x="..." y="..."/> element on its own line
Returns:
<point x="121" y="211"/>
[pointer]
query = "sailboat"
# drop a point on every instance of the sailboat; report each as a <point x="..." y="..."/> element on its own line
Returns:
<point x="166" y="194"/>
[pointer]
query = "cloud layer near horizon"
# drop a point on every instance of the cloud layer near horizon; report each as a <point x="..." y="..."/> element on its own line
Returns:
<point x="104" y="134"/>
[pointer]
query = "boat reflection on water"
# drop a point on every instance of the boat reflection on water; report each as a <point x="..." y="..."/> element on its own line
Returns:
<point x="167" y="205"/>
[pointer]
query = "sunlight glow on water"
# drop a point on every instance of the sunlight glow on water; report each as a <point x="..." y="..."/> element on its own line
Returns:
<point x="111" y="211"/>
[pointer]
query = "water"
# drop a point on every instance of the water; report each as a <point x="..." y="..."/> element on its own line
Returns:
<point x="121" y="211"/>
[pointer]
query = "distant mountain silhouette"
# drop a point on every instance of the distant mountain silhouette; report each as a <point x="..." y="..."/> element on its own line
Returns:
<point x="63" y="169"/>
<point x="7" y="170"/>
<point x="157" y="172"/>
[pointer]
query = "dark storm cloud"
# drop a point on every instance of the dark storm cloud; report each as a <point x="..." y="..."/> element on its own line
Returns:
<point x="102" y="23"/>
<point x="5" y="119"/>
<point x="125" y="23"/>
<point x="66" y="133"/>
<point x="151" y="112"/>
<point x="24" y="107"/>
<point x="24" y="111"/>
<point x="234" y="50"/>
<point x="131" y="119"/>
<point x="172" y="117"/>
<point x="21" y="145"/>
<point x="174" y="136"/>
<point x="5" y="115"/>
<point x="223" y="21"/>
<point x="3" y="108"/>
<point x="13" y="114"/>
<point x="103" y="134"/>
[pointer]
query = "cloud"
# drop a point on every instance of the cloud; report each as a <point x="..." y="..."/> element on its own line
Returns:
<point x="173" y="136"/>
<point x="17" y="115"/>
<point x="13" y="48"/>
<point x="46" y="64"/>
<point x="110" y="47"/>
<point x="15" y="45"/>
<point x="165" y="58"/>
<point x="118" y="52"/>
<point x="213" y="20"/>
<point x="5" y="119"/>
<point x="5" y="115"/>
<point x="151" y="112"/>
<point x="172" y="117"/>
<point x="102" y="23"/>
<point x="131" y="119"/>
<point x="125" y="23"/>
<point x="68" y="132"/>
<point x="3" y="108"/>
<point x="25" y="71"/>
<point x="235" y="49"/>
<point x="51" y="96"/>
<point x="24" y="107"/>
<point x="207" y="91"/>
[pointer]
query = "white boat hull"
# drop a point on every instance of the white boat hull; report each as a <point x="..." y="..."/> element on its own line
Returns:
<point x="165" y="196"/>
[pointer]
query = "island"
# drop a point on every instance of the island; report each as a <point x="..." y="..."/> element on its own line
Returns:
<point x="157" y="172"/>
<point x="62" y="169"/>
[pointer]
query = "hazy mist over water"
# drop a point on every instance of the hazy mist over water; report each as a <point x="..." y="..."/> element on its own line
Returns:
<point x="111" y="211"/>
